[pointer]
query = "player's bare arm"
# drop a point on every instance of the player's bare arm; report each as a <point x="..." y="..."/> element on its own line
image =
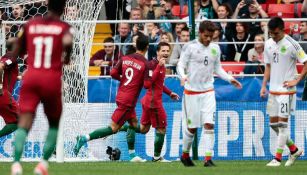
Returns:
<point x="20" y="48"/>
<point x="236" y="83"/>
<point x="174" y="96"/>
<point x="67" y="44"/>
<point x="294" y="82"/>
<point x="266" y="78"/>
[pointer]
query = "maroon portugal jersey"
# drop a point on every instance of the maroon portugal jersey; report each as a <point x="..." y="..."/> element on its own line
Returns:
<point x="10" y="71"/>
<point x="42" y="38"/>
<point x="155" y="85"/>
<point x="130" y="70"/>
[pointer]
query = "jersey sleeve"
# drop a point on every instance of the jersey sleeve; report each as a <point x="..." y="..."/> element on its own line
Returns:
<point x="183" y="61"/>
<point x="148" y="73"/>
<point x="116" y="72"/>
<point x="8" y="61"/>
<point x="297" y="52"/>
<point x="218" y="68"/>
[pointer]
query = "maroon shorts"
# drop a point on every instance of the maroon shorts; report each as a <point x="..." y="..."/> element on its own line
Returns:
<point x="45" y="89"/>
<point x="122" y="114"/>
<point x="156" y="117"/>
<point x="8" y="108"/>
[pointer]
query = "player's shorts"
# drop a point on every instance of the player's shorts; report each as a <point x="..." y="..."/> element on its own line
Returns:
<point x="281" y="105"/>
<point x="198" y="109"/>
<point x="8" y="108"/>
<point x="156" y="117"/>
<point x="122" y="114"/>
<point x="45" y="89"/>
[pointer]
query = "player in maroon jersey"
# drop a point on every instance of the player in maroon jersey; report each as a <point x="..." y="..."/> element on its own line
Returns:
<point x="153" y="113"/>
<point x="8" y="78"/>
<point x="130" y="71"/>
<point x="44" y="39"/>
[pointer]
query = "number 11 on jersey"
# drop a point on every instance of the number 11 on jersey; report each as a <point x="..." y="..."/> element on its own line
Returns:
<point x="39" y="42"/>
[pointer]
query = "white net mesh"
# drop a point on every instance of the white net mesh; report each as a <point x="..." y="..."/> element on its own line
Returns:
<point x="75" y="114"/>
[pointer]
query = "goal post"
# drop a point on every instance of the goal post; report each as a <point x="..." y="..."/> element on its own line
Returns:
<point x="79" y="14"/>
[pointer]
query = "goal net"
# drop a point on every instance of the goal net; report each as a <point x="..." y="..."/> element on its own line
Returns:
<point x="75" y="119"/>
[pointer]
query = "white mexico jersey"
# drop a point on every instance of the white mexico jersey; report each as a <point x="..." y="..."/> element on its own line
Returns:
<point x="282" y="57"/>
<point x="198" y="64"/>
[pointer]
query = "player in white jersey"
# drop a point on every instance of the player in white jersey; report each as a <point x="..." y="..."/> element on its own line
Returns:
<point x="281" y="53"/>
<point x="198" y="62"/>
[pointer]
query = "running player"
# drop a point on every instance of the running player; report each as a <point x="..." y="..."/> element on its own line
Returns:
<point x="153" y="113"/>
<point x="130" y="71"/>
<point x="44" y="39"/>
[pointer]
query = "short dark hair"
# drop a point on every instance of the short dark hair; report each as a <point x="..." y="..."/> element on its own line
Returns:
<point x="142" y="42"/>
<point x="276" y="22"/>
<point x="161" y="44"/>
<point x="185" y="29"/>
<point x="206" y="26"/>
<point x="108" y="40"/>
<point x="57" y="6"/>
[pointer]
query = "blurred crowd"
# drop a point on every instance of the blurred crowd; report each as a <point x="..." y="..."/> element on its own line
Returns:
<point x="177" y="33"/>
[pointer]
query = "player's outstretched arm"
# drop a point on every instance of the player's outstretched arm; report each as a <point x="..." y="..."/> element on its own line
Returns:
<point x="173" y="95"/>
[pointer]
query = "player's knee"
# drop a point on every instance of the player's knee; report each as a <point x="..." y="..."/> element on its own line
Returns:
<point x="192" y="130"/>
<point x="275" y="127"/>
<point x="209" y="126"/>
<point x="161" y="130"/>
<point x="208" y="131"/>
<point x="144" y="129"/>
<point x="115" y="128"/>
<point x="283" y="128"/>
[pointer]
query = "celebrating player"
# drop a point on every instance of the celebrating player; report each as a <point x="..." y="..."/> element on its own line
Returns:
<point x="44" y="39"/>
<point x="8" y="78"/>
<point x="130" y="71"/>
<point x="153" y="111"/>
<point x="198" y="62"/>
<point x="280" y="55"/>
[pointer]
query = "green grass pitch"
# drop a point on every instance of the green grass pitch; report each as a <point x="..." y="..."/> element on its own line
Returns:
<point x="174" y="168"/>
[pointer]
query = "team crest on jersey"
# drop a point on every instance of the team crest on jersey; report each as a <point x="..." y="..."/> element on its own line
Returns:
<point x="283" y="49"/>
<point x="214" y="52"/>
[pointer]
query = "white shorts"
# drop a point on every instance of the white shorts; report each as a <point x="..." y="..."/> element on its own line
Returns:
<point x="198" y="109"/>
<point x="281" y="105"/>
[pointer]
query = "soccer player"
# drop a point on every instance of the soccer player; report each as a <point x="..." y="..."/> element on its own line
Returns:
<point x="44" y="39"/>
<point x="130" y="71"/>
<point x="153" y="112"/>
<point x="281" y="53"/>
<point x="8" y="78"/>
<point x="198" y="62"/>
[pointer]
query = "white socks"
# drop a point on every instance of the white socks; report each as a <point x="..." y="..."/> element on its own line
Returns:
<point x="209" y="141"/>
<point x="187" y="140"/>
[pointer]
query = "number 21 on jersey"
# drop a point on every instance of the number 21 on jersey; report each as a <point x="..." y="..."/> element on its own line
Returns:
<point x="39" y="43"/>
